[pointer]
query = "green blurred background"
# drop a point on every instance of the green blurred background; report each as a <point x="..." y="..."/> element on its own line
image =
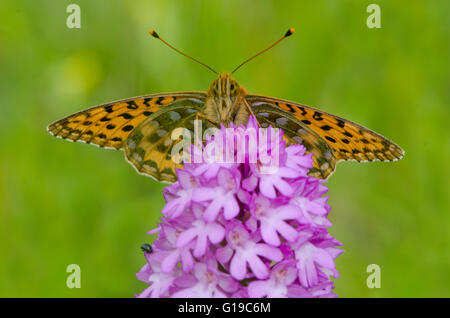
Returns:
<point x="63" y="203"/>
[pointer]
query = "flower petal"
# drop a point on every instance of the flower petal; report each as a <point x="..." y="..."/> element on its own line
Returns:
<point x="238" y="267"/>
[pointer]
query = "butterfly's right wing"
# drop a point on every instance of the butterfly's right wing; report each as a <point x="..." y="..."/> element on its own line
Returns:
<point x="348" y="140"/>
<point x="345" y="139"/>
<point x="296" y="132"/>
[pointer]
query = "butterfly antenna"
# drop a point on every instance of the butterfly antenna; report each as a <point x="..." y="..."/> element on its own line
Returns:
<point x="288" y="33"/>
<point x="155" y="35"/>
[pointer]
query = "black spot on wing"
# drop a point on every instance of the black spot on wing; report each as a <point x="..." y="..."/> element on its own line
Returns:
<point x="330" y="139"/>
<point x="317" y="116"/>
<point x="303" y="110"/>
<point x="340" y="123"/>
<point x="132" y="105"/>
<point x="346" y="133"/>
<point x="126" y="116"/>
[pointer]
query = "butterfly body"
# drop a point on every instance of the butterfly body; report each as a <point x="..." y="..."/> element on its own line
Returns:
<point x="142" y="127"/>
<point x="225" y="101"/>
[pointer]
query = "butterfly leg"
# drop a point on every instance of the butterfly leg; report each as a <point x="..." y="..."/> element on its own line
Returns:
<point x="243" y="112"/>
<point x="207" y="118"/>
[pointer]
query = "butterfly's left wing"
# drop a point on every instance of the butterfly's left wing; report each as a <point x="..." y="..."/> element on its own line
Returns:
<point x="345" y="139"/>
<point x="156" y="147"/>
<point x="140" y="126"/>
<point x="109" y="125"/>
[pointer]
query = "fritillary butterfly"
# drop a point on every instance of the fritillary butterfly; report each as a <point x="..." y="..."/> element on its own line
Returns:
<point x="141" y="126"/>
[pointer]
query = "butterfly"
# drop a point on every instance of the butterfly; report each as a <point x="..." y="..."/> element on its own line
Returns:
<point x="141" y="126"/>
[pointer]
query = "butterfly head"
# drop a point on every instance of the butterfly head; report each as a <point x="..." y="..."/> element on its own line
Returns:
<point x="225" y="86"/>
<point x="224" y="94"/>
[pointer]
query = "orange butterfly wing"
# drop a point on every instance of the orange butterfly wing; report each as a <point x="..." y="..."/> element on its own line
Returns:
<point x="109" y="125"/>
<point x="349" y="141"/>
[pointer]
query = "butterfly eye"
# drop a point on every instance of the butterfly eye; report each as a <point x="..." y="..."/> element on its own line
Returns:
<point x="232" y="87"/>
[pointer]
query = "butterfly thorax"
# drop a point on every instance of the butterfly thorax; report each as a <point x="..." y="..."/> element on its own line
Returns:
<point x="225" y="102"/>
